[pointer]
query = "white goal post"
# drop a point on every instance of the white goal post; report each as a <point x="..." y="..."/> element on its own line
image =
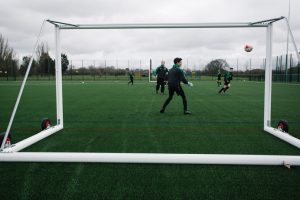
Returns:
<point x="12" y="154"/>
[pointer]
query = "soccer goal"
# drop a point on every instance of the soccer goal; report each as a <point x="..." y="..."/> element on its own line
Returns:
<point x="12" y="154"/>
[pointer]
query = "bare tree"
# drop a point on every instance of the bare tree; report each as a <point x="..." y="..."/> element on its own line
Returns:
<point x="46" y="64"/>
<point x="8" y="63"/>
<point x="42" y="48"/>
<point x="6" y="52"/>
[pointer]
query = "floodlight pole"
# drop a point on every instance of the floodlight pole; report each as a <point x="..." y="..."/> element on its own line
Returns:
<point x="293" y="40"/>
<point x="287" y="44"/>
<point x="58" y="72"/>
<point x="150" y="69"/>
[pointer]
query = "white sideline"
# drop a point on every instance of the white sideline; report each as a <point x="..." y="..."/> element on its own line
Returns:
<point x="155" y="158"/>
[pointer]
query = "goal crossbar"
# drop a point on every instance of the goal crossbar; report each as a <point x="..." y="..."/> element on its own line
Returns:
<point x="12" y="154"/>
<point x="263" y="23"/>
<point x="160" y="26"/>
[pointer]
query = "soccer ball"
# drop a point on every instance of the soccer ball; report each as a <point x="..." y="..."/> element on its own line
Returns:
<point x="248" y="48"/>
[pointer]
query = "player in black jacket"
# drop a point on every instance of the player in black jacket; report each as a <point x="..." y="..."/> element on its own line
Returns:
<point x="131" y="78"/>
<point x="175" y="76"/>
<point x="227" y="78"/>
<point x="161" y="73"/>
<point x="219" y="78"/>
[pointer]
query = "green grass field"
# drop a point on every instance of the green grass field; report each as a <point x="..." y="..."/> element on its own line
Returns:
<point x="110" y="116"/>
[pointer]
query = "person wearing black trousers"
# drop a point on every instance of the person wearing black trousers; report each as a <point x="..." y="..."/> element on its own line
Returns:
<point x="161" y="74"/>
<point x="175" y="76"/>
<point x="131" y="78"/>
<point x="227" y="78"/>
<point x="219" y="79"/>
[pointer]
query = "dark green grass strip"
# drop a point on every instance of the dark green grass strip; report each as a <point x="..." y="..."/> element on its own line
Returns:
<point x="123" y="181"/>
<point x="125" y="118"/>
<point x="112" y="117"/>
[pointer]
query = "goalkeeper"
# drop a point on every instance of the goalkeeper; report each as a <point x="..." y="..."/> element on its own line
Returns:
<point x="161" y="74"/>
<point x="175" y="76"/>
<point x="227" y="78"/>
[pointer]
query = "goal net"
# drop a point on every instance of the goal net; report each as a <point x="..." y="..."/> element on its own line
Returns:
<point x="285" y="85"/>
<point x="149" y="158"/>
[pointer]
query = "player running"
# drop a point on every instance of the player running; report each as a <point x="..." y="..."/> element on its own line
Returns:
<point x="219" y="79"/>
<point x="227" y="78"/>
<point x="161" y="74"/>
<point x="175" y="76"/>
<point x="131" y="78"/>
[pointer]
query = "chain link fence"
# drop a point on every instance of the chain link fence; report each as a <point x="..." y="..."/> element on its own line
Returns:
<point x="285" y="69"/>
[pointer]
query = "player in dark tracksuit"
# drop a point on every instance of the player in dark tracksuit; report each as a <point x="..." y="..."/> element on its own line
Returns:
<point x="219" y="78"/>
<point x="161" y="73"/>
<point x="175" y="76"/>
<point x="227" y="78"/>
<point x="131" y="78"/>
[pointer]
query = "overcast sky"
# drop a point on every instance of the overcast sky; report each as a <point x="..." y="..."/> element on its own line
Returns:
<point x="20" y="22"/>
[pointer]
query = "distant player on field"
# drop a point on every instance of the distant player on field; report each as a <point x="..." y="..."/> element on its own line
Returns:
<point x="161" y="74"/>
<point x="227" y="78"/>
<point x="131" y="78"/>
<point x="219" y="79"/>
<point x="175" y="76"/>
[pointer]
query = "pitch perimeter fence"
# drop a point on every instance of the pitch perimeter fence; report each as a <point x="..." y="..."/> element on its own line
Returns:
<point x="285" y="69"/>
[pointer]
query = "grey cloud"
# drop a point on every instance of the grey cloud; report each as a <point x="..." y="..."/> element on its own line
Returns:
<point x="20" y="22"/>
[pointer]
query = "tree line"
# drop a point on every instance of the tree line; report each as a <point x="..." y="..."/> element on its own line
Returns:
<point x="42" y="64"/>
<point x="8" y="61"/>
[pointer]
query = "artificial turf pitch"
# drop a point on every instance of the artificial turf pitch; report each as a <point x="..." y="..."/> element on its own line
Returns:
<point x="114" y="117"/>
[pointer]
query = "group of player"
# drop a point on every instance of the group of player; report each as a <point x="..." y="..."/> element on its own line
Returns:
<point x="175" y="76"/>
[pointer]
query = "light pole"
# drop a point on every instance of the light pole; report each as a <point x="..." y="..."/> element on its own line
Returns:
<point x="287" y="44"/>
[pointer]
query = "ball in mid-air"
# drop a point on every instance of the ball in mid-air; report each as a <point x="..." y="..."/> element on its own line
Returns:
<point x="248" y="48"/>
